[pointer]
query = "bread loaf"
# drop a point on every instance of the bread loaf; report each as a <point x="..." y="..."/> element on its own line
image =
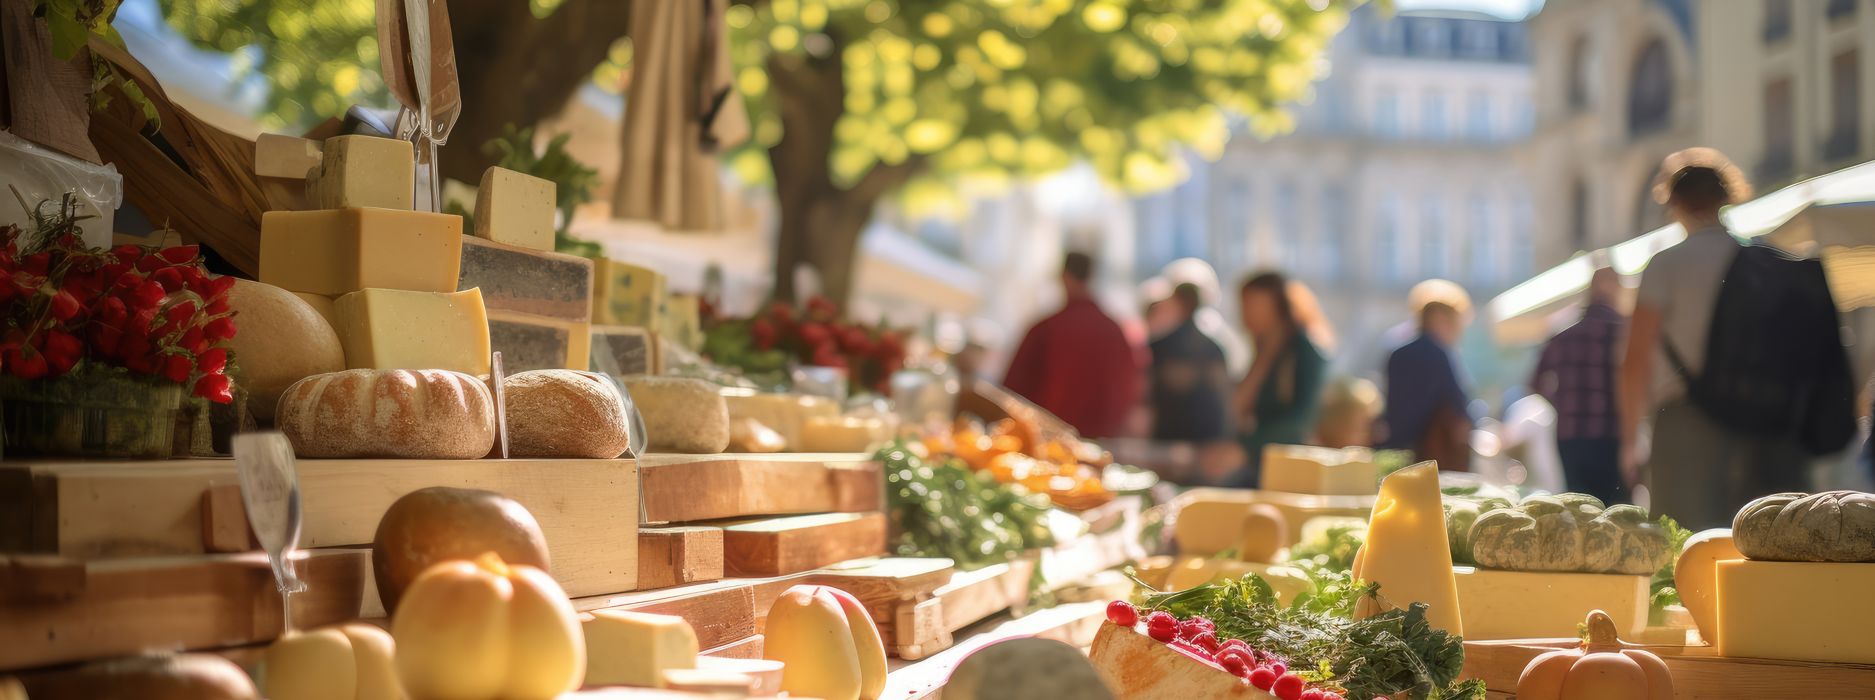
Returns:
<point x="565" y="413"/>
<point x="396" y="413"/>
<point x="155" y="677"/>
<point x="681" y="415"/>
<point x="283" y="339"/>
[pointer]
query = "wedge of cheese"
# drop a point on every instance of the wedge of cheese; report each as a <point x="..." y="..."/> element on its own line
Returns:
<point x="1407" y="552"/>
<point x="1798" y="611"/>
<point x="515" y="208"/>
<point x="363" y="171"/>
<point x="398" y="329"/>
<point x="1321" y="471"/>
<point x="632" y="648"/>
<point x="1695" y="575"/>
<point x="340" y="251"/>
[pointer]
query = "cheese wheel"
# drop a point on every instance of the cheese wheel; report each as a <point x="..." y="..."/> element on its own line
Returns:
<point x="565" y="413"/>
<point x="282" y="340"/>
<point x="394" y="413"/>
<point x="681" y="415"/>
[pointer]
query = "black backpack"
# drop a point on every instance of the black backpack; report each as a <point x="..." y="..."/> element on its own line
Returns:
<point x="1775" y="363"/>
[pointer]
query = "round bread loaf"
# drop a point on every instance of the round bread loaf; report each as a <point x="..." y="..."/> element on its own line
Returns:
<point x="395" y="413"/>
<point x="565" y="413"/>
<point x="681" y="414"/>
<point x="283" y="339"/>
<point x="155" y="677"/>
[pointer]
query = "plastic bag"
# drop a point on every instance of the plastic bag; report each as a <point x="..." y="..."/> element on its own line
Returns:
<point x="40" y="174"/>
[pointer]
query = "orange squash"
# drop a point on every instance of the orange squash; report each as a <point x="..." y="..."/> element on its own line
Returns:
<point x="1603" y="668"/>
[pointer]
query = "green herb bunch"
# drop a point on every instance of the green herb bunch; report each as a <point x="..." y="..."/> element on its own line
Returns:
<point x="942" y="509"/>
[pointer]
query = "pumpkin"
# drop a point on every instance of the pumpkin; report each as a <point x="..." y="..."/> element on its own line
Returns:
<point x="1602" y="668"/>
<point x="1567" y="532"/>
<point x="1836" y="526"/>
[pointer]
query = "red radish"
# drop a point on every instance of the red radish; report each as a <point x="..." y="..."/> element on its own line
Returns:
<point x="1288" y="687"/>
<point x="1161" y="633"/>
<point x="1279" y="667"/>
<point x="1206" y="641"/>
<point x="1312" y="694"/>
<point x="1122" y="613"/>
<point x="1234" y="664"/>
<point x="1162" y="619"/>
<point x="1263" y="678"/>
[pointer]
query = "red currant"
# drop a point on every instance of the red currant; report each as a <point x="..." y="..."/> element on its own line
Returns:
<point x="1288" y="687"/>
<point x="1263" y="678"/>
<point x="1161" y="632"/>
<point x="1122" y="613"/>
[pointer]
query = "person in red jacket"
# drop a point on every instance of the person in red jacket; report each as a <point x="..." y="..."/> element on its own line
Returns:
<point x="1078" y="363"/>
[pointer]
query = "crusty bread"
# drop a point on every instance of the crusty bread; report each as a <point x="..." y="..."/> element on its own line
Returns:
<point x="681" y="415"/>
<point x="396" y="413"/>
<point x="565" y="413"/>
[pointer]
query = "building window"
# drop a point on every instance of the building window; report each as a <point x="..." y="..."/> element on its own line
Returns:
<point x="1233" y="239"/>
<point x="1839" y="9"/>
<point x="1288" y="237"/>
<point x="1432" y="115"/>
<point x="1776" y="21"/>
<point x="1845" y="114"/>
<point x="1780" y="126"/>
<point x="1435" y="252"/>
<point x="1650" y="96"/>
<point x="1389" y="36"/>
<point x="1522" y="241"/>
<point x="1478" y="116"/>
<point x="1335" y="237"/>
<point x="1479" y="40"/>
<point x="1482" y="252"/>
<point x="1579" y="215"/>
<point x="1583" y="66"/>
<point x="1389" y="250"/>
<point x="1387" y="112"/>
<point x="1430" y="38"/>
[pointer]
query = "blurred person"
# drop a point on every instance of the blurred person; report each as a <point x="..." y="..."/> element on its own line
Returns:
<point x="1188" y="381"/>
<point x="1280" y="396"/>
<point x="1576" y="374"/>
<point x="1727" y="427"/>
<point x="1428" y="409"/>
<point x="1209" y="319"/>
<point x="1078" y="363"/>
<point x="1349" y="409"/>
<point x="1310" y="316"/>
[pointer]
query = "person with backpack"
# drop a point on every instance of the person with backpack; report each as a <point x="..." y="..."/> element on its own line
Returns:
<point x="1734" y="352"/>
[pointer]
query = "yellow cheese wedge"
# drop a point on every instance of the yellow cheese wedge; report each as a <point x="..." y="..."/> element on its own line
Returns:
<point x="1319" y="470"/>
<point x="340" y="251"/>
<point x="1407" y="552"/>
<point x="1525" y="604"/>
<point x="515" y="208"/>
<point x="631" y="648"/>
<point x="396" y="329"/>
<point x="1694" y="576"/>
<point x="363" y="171"/>
<point x="627" y="295"/>
<point x="1799" y="611"/>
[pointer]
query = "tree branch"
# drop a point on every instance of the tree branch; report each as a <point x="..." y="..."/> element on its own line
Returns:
<point x="883" y="178"/>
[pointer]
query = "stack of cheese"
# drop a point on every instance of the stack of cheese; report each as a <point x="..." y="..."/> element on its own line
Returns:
<point x="629" y="307"/>
<point x="539" y="315"/>
<point x="1791" y="580"/>
<point x="1321" y="471"/>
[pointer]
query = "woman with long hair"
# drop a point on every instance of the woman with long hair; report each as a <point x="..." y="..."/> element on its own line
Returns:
<point x="1279" y="399"/>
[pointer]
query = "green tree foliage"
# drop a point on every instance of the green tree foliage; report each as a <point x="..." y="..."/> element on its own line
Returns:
<point x="1014" y="87"/>
<point x="317" y="56"/>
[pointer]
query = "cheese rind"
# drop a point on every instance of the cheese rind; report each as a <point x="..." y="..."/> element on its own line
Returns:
<point x="515" y="208"/>
<point x="683" y="320"/>
<point x="1525" y="604"/>
<point x="632" y="648"/>
<point x="340" y="251"/>
<point x="1407" y="551"/>
<point x="1321" y="471"/>
<point x="1798" y="611"/>
<point x="625" y="351"/>
<point x="533" y="282"/>
<point x="363" y="171"/>
<point x="627" y="295"/>
<point x="397" y="329"/>
<point x="531" y="342"/>
<point x="279" y="155"/>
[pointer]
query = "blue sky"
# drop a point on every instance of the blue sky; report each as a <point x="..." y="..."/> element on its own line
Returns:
<point x="1508" y="9"/>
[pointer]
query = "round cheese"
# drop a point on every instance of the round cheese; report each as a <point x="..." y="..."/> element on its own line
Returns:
<point x="280" y="340"/>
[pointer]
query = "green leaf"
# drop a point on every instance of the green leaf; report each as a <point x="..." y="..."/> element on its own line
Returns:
<point x="68" y="32"/>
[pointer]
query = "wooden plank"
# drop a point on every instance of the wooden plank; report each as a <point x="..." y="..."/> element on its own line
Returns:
<point x="224" y="520"/>
<point x="745" y="648"/>
<point x="122" y="509"/>
<point x="688" y="488"/>
<point x="721" y="612"/>
<point x="124" y="606"/>
<point x="882" y="584"/>
<point x="1698" y="671"/>
<point x="671" y="556"/>
<point x="975" y="595"/>
<point x="779" y="546"/>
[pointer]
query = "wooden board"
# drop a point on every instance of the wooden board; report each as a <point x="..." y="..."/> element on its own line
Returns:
<point x="1135" y="666"/>
<point x="1698" y="672"/>
<point x="744" y="648"/>
<point x="688" y="488"/>
<point x="925" y="627"/>
<point x="671" y="556"/>
<point x="117" y="607"/>
<point x="780" y="546"/>
<point x="119" y="509"/>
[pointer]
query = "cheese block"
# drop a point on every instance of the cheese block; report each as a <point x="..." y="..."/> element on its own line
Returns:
<point x="624" y="351"/>
<point x="533" y="282"/>
<point x="323" y="305"/>
<point x="340" y="251"/>
<point x="363" y="171"/>
<point x="681" y="415"/>
<point x="1287" y="581"/>
<point x="515" y="208"/>
<point x="279" y="155"/>
<point x="1797" y="611"/>
<point x="1407" y="552"/>
<point x="633" y="648"/>
<point x="627" y="295"/>
<point x="784" y="413"/>
<point x="532" y="342"/>
<point x="1524" y="604"/>
<point x="398" y="414"/>
<point x="1695" y="577"/>
<point x="1136" y="666"/>
<point x="397" y="329"/>
<point x="683" y="320"/>
<point x="1319" y="470"/>
<point x="843" y="434"/>
<point x="281" y="341"/>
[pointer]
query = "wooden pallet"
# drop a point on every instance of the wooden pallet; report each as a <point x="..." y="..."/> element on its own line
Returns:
<point x="92" y="510"/>
<point x="689" y="488"/>
<point x="1698" y="672"/>
<point x="60" y="610"/>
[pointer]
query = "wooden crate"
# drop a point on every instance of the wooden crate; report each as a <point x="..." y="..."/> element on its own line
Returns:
<point x="89" y="510"/>
<point x="1698" y="672"/>
<point x="688" y="488"/>
<point x="59" y="610"/>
